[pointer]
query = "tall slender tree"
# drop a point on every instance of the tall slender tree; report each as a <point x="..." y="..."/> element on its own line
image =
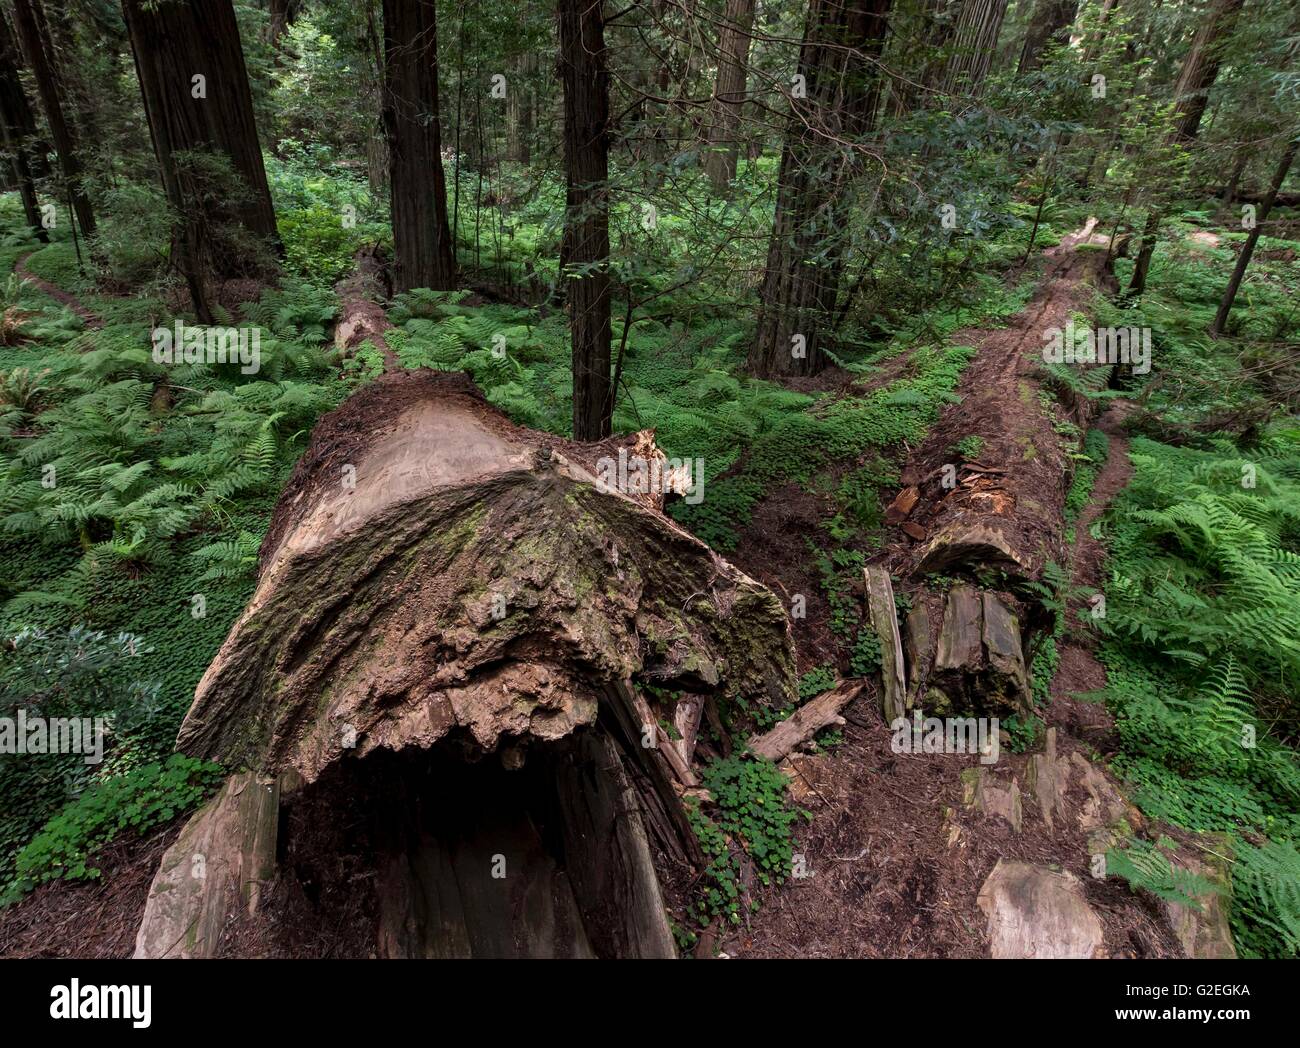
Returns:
<point x="418" y="190"/>
<point x="729" y="91"/>
<point x="1248" y="249"/>
<point x="17" y="128"/>
<point x="584" y="254"/>
<point x="1199" y="70"/>
<point x="974" y="42"/>
<point x="34" y="32"/>
<point x="833" y="107"/>
<point x="190" y="65"/>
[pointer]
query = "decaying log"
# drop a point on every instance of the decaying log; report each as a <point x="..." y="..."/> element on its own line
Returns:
<point x="805" y="722"/>
<point x="884" y="619"/>
<point x="361" y="310"/>
<point x="978" y="664"/>
<point x="439" y="581"/>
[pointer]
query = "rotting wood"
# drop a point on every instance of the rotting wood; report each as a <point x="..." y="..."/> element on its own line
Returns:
<point x="884" y="618"/>
<point x="806" y="721"/>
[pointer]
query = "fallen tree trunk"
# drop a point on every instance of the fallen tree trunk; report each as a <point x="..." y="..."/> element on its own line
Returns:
<point x="362" y="295"/>
<point x="994" y="515"/>
<point x="452" y="610"/>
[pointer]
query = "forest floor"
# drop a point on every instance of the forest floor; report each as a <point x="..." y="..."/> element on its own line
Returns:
<point x="896" y="854"/>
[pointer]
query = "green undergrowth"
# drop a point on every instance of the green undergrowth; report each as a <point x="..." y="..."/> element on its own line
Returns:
<point x="1201" y="632"/>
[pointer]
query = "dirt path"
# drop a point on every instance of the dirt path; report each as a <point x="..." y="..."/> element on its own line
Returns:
<point x="65" y="298"/>
<point x="1079" y="670"/>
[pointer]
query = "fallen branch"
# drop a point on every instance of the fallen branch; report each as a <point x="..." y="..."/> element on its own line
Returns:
<point x="806" y="721"/>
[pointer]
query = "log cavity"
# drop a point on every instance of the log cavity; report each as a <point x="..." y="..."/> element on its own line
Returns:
<point x="428" y="854"/>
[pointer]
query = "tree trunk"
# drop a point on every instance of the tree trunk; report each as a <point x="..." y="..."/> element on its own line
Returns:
<point x="453" y="646"/>
<point x="729" y="92"/>
<point x="1248" y="249"/>
<point x="1201" y="67"/>
<point x="282" y="13"/>
<point x="1050" y="17"/>
<point x="519" y="110"/>
<point x="1191" y="92"/>
<point x="975" y="41"/>
<point x="34" y="33"/>
<point x="421" y="233"/>
<point x="190" y="65"/>
<point x="18" y="126"/>
<point x="798" y="294"/>
<point x="584" y="257"/>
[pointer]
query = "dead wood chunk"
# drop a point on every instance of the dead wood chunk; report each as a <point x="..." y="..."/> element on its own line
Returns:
<point x="917" y="649"/>
<point x="884" y="619"/>
<point x="1035" y="912"/>
<point x="1205" y="932"/>
<point x="914" y="530"/>
<point x="902" y="504"/>
<point x="981" y="791"/>
<point x="1002" y="647"/>
<point x="977" y="544"/>
<point x="687" y="715"/>
<point x="978" y="662"/>
<point x="220" y="861"/>
<point x="961" y="637"/>
<point x="805" y="722"/>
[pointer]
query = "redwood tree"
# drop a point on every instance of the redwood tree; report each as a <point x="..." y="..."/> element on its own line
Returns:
<point x="837" y="107"/>
<point x="17" y="127"/>
<point x="418" y="191"/>
<point x="197" y="100"/>
<point x="34" y="32"/>
<point x="729" y="92"/>
<point x="1050" y="17"/>
<point x="584" y="254"/>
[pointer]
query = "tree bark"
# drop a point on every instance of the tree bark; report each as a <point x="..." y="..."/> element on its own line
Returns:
<point x="18" y="126"/>
<point x="519" y="110"/>
<point x="421" y="233"/>
<point x="1201" y="67"/>
<point x="584" y="259"/>
<point x="1050" y="17"/>
<point x="190" y="65"/>
<point x="33" y="31"/>
<point x="975" y="40"/>
<point x="729" y="92"/>
<point x="1248" y="249"/>
<point x="801" y="281"/>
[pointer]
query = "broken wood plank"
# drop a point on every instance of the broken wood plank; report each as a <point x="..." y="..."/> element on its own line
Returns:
<point x="902" y="504"/>
<point x="806" y="721"/>
<point x="884" y="617"/>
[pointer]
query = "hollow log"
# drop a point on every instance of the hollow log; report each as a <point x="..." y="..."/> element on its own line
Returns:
<point x="443" y="658"/>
